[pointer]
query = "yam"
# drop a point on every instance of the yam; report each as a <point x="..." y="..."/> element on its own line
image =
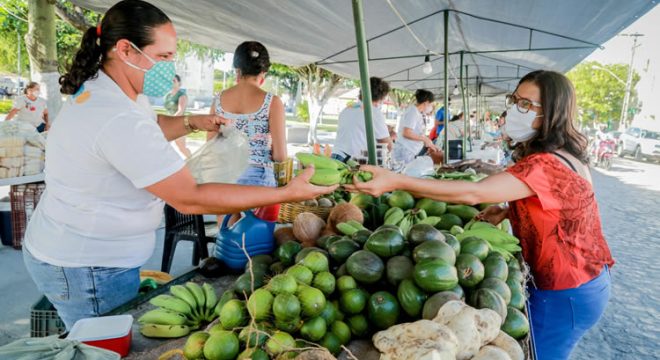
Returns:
<point x="490" y="352"/>
<point x="510" y="345"/>
<point x="423" y="339"/>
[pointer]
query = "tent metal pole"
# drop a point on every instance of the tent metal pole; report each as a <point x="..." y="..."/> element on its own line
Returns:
<point x="446" y="61"/>
<point x="465" y="109"/>
<point x="467" y="101"/>
<point x="365" y="84"/>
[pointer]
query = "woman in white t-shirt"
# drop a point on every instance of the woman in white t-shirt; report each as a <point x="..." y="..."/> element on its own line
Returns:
<point x="30" y="108"/>
<point x="110" y="166"/>
<point x="411" y="137"/>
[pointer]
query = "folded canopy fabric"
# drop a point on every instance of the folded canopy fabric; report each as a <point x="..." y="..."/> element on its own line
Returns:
<point x="501" y="39"/>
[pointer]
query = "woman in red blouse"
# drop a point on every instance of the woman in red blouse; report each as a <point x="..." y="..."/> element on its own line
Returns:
<point x="552" y="208"/>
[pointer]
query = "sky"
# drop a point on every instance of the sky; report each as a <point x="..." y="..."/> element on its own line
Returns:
<point x="646" y="61"/>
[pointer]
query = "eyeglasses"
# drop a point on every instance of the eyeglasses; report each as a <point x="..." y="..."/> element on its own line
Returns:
<point x="523" y="105"/>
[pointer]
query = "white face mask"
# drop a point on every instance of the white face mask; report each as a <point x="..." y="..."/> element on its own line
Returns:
<point x="518" y="126"/>
<point x="428" y="109"/>
<point x="36" y="93"/>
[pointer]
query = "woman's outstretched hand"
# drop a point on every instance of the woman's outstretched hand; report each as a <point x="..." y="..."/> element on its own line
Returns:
<point x="383" y="181"/>
<point x="300" y="189"/>
<point x="493" y="214"/>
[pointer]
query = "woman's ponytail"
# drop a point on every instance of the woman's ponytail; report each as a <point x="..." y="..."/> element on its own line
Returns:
<point x="85" y="64"/>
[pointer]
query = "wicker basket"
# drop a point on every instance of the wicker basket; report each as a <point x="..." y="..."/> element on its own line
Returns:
<point x="289" y="211"/>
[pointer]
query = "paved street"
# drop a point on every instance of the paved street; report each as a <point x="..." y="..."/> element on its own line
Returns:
<point x="629" y="201"/>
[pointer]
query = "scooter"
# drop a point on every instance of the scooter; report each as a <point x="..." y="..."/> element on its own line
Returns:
<point x="605" y="154"/>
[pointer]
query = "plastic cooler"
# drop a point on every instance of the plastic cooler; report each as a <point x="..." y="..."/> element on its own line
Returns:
<point x="107" y="332"/>
<point x="258" y="235"/>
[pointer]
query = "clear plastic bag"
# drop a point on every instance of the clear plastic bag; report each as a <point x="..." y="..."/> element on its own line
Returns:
<point x="222" y="159"/>
<point x="422" y="166"/>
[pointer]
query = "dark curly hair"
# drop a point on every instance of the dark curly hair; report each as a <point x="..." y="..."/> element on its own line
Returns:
<point x="251" y="58"/>
<point x="379" y="89"/>
<point x="132" y="20"/>
<point x="423" y="96"/>
<point x="559" y="112"/>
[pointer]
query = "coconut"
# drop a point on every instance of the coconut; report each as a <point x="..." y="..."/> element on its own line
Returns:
<point x="342" y="213"/>
<point x="325" y="202"/>
<point x="307" y="227"/>
<point x="283" y="235"/>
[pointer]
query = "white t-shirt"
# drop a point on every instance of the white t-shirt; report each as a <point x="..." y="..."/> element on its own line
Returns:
<point x="456" y="129"/>
<point x="413" y="120"/>
<point x="31" y="112"/>
<point x="351" y="134"/>
<point x="102" y="151"/>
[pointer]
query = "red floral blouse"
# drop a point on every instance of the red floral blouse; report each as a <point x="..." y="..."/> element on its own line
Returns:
<point x="559" y="228"/>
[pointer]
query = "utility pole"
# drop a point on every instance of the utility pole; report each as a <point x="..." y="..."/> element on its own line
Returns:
<point x="626" y="99"/>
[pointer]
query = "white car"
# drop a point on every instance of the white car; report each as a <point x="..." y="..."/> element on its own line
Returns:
<point x="640" y="143"/>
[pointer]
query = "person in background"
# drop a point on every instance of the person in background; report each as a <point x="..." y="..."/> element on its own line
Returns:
<point x="111" y="168"/>
<point x="351" y="134"/>
<point x="440" y="119"/>
<point x="551" y="205"/>
<point x="175" y="104"/>
<point x="455" y="130"/>
<point x="412" y="130"/>
<point x="256" y="113"/>
<point x="30" y="108"/>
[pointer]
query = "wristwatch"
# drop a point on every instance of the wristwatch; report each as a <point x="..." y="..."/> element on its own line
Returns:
<point x="186" y="124"/>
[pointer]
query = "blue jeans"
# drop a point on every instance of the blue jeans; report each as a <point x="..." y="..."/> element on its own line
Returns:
<point x="561" y="317"/>
<point x="82" y="292"/>
<point x="258" y="176"/>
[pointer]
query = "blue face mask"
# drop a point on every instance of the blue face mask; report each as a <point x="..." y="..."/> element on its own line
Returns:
<point x="158" y="79"/>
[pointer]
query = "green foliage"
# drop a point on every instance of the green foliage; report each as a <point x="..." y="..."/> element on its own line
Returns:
<point x="302" y="111"/>
<point x="288" y="78"/>
<point x="185" y="48"/>
<point x="5" y="106"/>
<point x="401" y="98"/>
<point x="599" y="94"/>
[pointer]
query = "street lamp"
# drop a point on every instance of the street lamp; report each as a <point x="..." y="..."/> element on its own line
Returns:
<point x="626" y="85"/>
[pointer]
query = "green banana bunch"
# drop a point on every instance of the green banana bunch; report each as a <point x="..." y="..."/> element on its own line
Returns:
<point x="350" y="227"/>
<point x="184" y="310"/>
<point x="318" y="161"/>
<point x="163" y="317"/>
<point x="405" y="220"/>
<point x="164" y="331"/>
<point x="211" y="301"/>
<point x="499" y="241"/>
<point x="172" y="303"/>
<point x="326" y="177"/>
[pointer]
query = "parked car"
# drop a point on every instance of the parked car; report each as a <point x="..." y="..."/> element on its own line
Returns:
<point x="640" y="143"/>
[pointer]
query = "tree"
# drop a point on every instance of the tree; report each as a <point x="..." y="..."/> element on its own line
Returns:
<point x="319" y="85"/>
<point x="401" y="99"/>
<point x="288" y="80"/>
<point x="41" y="44"/>
<point x="599" y="93"/>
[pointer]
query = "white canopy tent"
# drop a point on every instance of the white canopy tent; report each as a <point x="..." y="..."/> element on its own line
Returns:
<point x="490" y="44"/>
<point x="502" y="39"/>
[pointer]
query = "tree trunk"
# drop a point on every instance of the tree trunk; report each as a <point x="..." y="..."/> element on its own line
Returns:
<point x="315" y="109"/>
<point x="42" y="50"/>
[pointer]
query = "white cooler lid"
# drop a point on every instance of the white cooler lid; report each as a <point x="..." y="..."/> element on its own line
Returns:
<point x="101" y="328"/>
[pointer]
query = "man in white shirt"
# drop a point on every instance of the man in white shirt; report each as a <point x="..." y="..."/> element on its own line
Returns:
<point x="351" y="132"/>
<point x="412" y="137"/>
